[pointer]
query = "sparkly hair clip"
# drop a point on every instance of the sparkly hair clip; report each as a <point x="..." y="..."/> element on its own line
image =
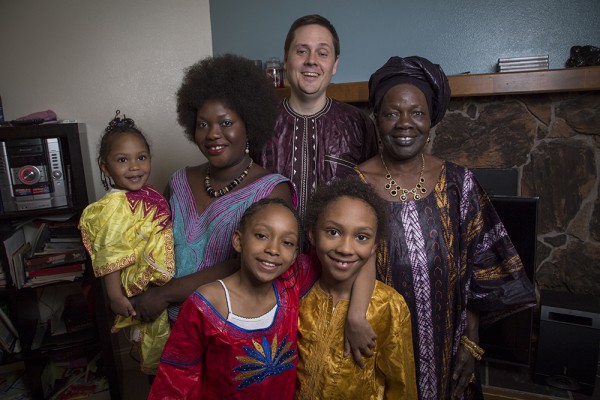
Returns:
<point x="118" y="122"/>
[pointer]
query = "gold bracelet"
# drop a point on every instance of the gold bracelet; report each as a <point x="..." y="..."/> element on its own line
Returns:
<point x="472" y="347"/>
<point x="468" y="342"/>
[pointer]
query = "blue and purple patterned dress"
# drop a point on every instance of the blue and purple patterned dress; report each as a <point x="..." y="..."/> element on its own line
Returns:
<point x="203" y="240"/>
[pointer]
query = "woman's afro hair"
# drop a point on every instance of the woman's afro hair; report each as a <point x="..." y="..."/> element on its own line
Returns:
<point x="236" y="82"/>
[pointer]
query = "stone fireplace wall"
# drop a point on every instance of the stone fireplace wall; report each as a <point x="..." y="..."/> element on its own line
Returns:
<point x="553" y="140"/>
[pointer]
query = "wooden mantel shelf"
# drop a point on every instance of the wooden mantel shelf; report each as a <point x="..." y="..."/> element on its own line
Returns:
<point x="506" y="83"/>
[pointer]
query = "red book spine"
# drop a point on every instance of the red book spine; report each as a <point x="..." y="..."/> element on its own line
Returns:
<point x="62" y="269"/>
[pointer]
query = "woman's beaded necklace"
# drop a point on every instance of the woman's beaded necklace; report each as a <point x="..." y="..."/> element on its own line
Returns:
<point x="218" y="193"/>
<point x="394" y="188"/>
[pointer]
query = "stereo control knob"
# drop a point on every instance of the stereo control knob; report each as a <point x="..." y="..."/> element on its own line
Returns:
<point x="29" y="175"/>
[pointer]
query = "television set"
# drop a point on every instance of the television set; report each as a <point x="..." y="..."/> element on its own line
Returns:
<point x="510" y="339"/>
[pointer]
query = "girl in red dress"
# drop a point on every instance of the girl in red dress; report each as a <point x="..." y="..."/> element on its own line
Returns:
<point x="236" y="338"/>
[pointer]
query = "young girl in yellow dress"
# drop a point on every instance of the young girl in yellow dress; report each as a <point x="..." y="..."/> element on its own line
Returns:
<point x="129" y="236"/>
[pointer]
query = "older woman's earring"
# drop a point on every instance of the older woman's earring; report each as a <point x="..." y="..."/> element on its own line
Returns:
<point x="247" y="151"/>
<point x="428" y="140"/>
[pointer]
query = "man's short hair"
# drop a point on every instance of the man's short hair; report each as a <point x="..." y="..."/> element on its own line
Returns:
<point x="313" y="19"/>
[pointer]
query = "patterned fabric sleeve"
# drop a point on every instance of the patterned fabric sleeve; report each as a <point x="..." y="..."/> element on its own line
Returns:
<point x="498" y="278"/>
<point x="180" y="372"/>
<point x="107" y="229"/>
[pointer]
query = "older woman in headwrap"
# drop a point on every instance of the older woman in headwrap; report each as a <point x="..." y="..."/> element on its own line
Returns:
<point x="448" y="253"/>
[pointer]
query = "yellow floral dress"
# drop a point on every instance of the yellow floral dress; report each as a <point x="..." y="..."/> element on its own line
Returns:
<point x="131" y="232"/>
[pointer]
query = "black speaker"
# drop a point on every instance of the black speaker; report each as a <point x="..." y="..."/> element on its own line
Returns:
<point x="569" y="341"/>
<point x="510" y="339"/>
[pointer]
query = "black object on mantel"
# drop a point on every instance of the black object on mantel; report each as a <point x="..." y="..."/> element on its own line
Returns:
<point x="569" y="341"/>
<point x="583" y="56"/>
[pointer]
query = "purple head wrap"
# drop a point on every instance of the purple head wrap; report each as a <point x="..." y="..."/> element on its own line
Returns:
<point x="418" y="71"/>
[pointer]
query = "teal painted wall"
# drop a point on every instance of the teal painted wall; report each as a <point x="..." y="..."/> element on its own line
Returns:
<point x="461" y="36"/>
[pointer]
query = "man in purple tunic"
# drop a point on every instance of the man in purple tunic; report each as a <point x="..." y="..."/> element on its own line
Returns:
<point x="316" y="138"/>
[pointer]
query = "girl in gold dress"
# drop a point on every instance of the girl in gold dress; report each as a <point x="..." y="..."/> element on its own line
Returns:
<point x="128" y="235"/>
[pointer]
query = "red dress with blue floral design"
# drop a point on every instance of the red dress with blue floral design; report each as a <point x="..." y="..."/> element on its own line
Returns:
<point x="207" y="357"/>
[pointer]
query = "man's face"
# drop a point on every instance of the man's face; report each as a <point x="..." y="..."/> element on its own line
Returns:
<point x="311" y="61"/>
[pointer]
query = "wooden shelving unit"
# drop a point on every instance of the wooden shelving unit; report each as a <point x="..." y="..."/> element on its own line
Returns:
<point x="23" y="303"/>
<point x="506" y="83"/>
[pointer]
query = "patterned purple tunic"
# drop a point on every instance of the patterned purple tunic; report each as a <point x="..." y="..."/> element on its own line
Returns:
<point x="448" y="252"/>
<point x="315" y="149"/>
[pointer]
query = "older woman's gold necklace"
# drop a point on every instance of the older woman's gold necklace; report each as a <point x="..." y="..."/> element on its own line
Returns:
<point x="396" y="189"/>
<point x="218" y="193"/>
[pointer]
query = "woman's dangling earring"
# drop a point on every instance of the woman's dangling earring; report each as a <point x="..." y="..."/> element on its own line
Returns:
<point x="247" y="151"/>
<point x="428" y="140"/>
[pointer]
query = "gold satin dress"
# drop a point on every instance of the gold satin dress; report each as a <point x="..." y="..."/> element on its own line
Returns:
<point x="324" y="372"/>
<point x="131" y="232"/>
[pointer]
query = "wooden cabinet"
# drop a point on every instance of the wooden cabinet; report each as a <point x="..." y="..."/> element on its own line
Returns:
<point x="42" y="179"/>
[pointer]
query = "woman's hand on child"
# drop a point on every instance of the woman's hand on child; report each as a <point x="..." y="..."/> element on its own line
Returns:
<point x="122" y="306"/>
<point x="149" y="304"/>
<point x="359" y="339"/>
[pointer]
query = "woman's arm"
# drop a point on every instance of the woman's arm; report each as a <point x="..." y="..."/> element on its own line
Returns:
<point x="283" y="192"/>
<point x="149" y="304"/>
<point x="464" y="369"/>
<point x="359" y="336"/>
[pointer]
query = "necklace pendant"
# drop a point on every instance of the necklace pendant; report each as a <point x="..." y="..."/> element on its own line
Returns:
<point x="396" y="189"/>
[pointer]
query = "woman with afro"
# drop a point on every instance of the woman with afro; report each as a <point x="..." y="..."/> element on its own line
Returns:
<point x="226" y="106"/>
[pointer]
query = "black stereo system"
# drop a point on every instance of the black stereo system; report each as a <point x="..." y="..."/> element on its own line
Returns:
<point x="32" y="174"/>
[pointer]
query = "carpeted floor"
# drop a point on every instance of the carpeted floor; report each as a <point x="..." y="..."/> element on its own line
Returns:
<point x="501" y="381"/>
<point x="519" y="379"/>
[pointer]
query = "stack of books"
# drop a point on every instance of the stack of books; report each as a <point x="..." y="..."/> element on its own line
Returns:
<point x="42" y="252"/>
<point x="519" y="64"/>
<point x="46" y="268"/>
<point x="57" y="254"/>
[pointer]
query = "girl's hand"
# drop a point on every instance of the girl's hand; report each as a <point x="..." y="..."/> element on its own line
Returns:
<point x="463" y="373"/>
<point x="120" y="305"/>
<point x="359" y="338"/>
